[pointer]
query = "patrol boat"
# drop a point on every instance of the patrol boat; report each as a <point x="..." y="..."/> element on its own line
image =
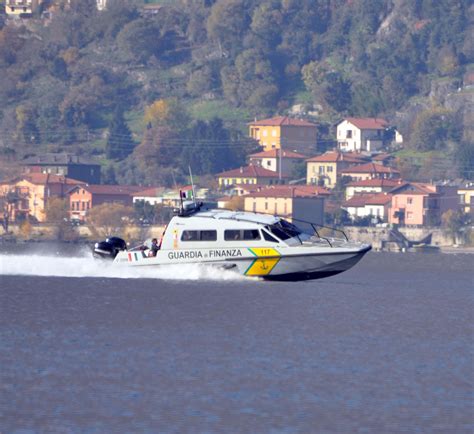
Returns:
<point x="256" y="245"/>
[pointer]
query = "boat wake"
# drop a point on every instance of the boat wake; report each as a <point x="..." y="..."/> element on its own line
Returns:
<point x="85" y="266"/>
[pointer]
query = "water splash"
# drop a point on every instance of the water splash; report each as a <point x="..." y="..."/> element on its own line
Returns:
<point x="86" y="266"/>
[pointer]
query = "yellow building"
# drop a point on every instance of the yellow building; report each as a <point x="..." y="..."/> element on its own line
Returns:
<point x="300" y="201"/>
<point x="466" y="198"/>
<point x="249" y="175"/>
<point x="325" y="169"/>
<point x="286" y="133"/>
<point x="18" y="7"/>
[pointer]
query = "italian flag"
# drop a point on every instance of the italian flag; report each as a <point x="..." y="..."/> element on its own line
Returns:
<point x="187" y="194"/>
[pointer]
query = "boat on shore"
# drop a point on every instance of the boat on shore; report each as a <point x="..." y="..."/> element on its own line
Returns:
<point x="254" y="245"/>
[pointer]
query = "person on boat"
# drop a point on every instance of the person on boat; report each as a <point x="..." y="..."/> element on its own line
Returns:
<point x="154" y="248"/>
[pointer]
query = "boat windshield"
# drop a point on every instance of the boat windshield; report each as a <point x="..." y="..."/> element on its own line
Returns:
<point x="284" y="230"/>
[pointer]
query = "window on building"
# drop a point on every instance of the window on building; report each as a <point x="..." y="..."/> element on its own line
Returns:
<point x="265" y="133"/>
<point x="329" y="168"/>
<point x="266" y="206"/>
<point x="349" y="134"/>
<point x="254" y="207"/>
<point x="410" y="200"/>
<point x="274" y="133"/>
<point x="269" y="163"/>
<point x="321" y="170"/>
<point x="204" y="235"/>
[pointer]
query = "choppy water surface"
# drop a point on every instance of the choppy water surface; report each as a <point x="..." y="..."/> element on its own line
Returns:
<point x="384" y="348"/>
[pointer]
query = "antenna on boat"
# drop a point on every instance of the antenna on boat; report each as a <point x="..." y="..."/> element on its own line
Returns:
<point x="192" y="184"/>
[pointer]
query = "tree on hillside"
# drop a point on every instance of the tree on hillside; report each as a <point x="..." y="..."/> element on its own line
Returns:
<point x="433" y="129"/>
<point x="119" y="141"/>
<point x="228" y="22"/>
<point x="26" y="129"/>
<point x="208" y="147"/>
<point x="328" y="85"/>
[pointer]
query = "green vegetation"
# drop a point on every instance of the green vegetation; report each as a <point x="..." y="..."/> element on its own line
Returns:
<point x="71" y="84"/>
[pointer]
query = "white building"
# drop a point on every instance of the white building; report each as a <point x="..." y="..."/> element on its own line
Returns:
<point x="361" y="134"/>
<point x="368" y="205"/>
<point x="276" y="160"/>
<point x="17" y="7"/>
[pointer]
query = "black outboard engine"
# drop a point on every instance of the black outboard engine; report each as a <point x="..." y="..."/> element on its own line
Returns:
<point x="109" y="248"/>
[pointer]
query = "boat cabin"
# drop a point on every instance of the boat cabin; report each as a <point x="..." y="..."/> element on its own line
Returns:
<point x="229" y="229"/>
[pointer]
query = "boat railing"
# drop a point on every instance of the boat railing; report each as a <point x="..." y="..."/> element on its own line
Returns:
<point x="315" y="227"/>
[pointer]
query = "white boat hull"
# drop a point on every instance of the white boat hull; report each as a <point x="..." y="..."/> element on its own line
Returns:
<point x="289" y="264"/>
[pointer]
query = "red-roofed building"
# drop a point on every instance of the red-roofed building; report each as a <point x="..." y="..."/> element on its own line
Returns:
<point x="305" y="202"/>
<point x="361" y="134"/>
<point x="27" y="196"/>
<point x="326" y="169"/>
<point x="249" y="175"/>
<point x="375" y="206"/>
<point x="420" y="204"/>
<point x="277" y="160"/>
<point x="151" y="195"/>
<point x="370" y="171"/>
<point x="370" y="186"/>
<point x="84" y="197"/>
<point x="286" y="133"/>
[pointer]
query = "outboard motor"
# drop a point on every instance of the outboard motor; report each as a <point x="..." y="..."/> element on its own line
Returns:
<point x="109" y="248"/>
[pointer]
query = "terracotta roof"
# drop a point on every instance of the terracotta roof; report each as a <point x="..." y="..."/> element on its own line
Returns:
<point x="336" y="156"/>
<point x="370" y="168"/>
<point x="283" y="120"/>
<point x="249" y="172"/>
<point x="375" y="182"/>
<point x="150" y="192"/>
<point x="368" y="199"/>
<point x="368" y="123"/>
<point x="382" y="157"/>
<point x="56" y="159"/>
<point x="414" y="188"/>
<point x="275" y="153"/>
<point x="110" y="189"/>
<point x="290" y="191"/>
<point x="48" y="178"/>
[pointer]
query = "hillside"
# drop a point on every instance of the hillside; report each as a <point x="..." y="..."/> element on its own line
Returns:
<point x="85" y="80"/>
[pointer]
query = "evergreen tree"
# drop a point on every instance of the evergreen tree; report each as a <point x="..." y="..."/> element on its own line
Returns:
<point x="120" y="143"/>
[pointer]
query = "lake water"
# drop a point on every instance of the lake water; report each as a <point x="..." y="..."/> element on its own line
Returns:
<point x="386" y="347"/>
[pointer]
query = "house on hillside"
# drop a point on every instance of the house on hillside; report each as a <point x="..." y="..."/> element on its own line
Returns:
<point x="466" y="198"/>
<point x="326" y="169"/>
<point x="370" y="186"/>
<point x="277" y="160"/>
<point x="16" y="8"/>
<point x="64" y="164"/>
<point x="27" y="196"/>
<point x="286" y="133"/>
<point x="84" y="197"/>
<point x="369" y="205"/>
<point x="361" y="134"/>
<point x="151" y="195"/>
<point x="420" y="204"/>
<point x="303" y="202"/>
<point x="370" y="171"/>
<point x="249" y="175"/>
